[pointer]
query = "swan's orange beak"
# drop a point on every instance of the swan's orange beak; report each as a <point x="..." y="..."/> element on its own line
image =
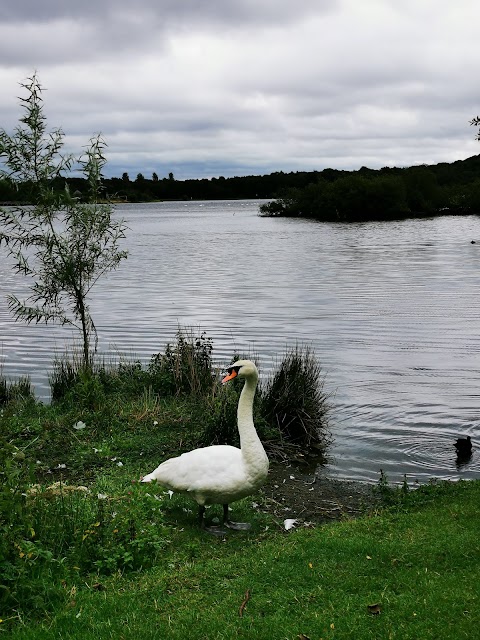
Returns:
<point x="230" y="376"/>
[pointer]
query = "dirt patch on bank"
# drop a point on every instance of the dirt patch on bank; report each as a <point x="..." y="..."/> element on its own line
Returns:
<point x="309" y="497"/>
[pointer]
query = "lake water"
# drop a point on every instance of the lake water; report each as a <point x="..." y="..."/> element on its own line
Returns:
<point x="391" y="309"/>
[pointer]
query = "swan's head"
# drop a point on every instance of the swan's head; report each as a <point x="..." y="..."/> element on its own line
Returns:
<point x="242" y="369"/>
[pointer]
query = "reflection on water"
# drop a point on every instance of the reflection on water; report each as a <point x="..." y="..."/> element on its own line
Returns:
<point x="463" y="460"/>
<point x="392" y="310"/>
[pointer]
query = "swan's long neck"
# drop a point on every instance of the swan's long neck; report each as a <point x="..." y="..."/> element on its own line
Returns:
<point x="250" y="443"/>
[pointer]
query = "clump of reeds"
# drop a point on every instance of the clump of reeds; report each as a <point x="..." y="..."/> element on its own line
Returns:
<point x="65" y="374"/>
<point x="82" y="385"/>
<point x="294" y="401"/>
<point x="14" y="390"/>
<point x="185" y="367"/>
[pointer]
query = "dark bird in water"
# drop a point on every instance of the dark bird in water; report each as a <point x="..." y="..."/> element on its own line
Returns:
<point x="463" y="446"/>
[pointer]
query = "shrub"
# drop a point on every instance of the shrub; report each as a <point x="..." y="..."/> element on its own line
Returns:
<point x="185" y="367"/>
<point x="24" y="561"/>
<point x="49" y="532"/>
<point x="129" y="378"/>
<point x="283" y="206"/>
<point x="127" y="534"/>
<point x="97" y="532"/>
<point x="89" y="386"/>
<point x="88" y="392"/>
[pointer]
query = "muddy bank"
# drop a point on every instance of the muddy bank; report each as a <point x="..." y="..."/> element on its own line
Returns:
<point x="309" y="497"/>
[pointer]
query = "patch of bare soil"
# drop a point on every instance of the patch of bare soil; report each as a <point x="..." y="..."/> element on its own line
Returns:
<point x="308" y="497"/>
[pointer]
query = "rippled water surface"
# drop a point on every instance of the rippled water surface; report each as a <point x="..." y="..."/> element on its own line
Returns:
<point x="392" y="310"/>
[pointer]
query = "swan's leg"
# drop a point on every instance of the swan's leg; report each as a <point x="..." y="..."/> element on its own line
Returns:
<point x="216" y="531"/>
<point x="238" y="526"/>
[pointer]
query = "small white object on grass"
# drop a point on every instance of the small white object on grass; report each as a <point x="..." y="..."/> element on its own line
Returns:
<point x="289" y="523"/>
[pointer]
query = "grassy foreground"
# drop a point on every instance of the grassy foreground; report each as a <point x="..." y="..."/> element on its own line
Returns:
<point x="418" y="565"/>
<point x="88" y="552"/>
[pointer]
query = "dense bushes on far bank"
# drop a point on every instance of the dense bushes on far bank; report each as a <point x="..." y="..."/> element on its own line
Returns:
<point x="377" y="196"/>
<point x="384" y="194"/>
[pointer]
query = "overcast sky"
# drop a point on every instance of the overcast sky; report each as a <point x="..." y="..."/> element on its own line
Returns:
<point x="206" y="88"/>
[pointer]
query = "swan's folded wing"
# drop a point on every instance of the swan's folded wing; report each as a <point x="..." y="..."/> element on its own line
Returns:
<point x="202" y="470"/>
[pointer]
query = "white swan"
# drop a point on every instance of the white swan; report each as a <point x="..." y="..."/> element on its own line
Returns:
<point x="221" y="474"/>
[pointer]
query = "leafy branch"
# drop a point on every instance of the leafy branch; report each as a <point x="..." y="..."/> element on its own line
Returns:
<point x="476" y="123"/>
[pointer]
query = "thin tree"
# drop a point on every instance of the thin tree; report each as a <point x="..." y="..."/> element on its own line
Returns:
<point x="63" y="245"/>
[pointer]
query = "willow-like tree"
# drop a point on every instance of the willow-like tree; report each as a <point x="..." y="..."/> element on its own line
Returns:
<point x="62" y="244"/>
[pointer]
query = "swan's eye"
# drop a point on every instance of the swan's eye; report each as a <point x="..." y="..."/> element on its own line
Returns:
<point x="232" y="369"/>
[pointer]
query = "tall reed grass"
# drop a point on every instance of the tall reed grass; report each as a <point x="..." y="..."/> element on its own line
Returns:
<point x="294" y="401"/>
<point x="14" y="390"/>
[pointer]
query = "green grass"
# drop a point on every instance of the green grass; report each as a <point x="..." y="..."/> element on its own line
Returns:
<point x="126" y="560"/>
<point x="421" y="565"/>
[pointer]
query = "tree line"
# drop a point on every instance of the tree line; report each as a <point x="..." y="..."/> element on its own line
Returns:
<point x="330" y="194"/>
<point x="154" y="189"/>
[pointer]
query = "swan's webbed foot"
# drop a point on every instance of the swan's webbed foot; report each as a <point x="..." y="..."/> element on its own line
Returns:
<point x="213" y="530"/>
<point x="238" y="526"/>
<point x="219" y="530"/>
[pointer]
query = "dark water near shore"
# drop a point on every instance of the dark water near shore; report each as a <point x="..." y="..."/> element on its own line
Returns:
<point x="392" y="310"/>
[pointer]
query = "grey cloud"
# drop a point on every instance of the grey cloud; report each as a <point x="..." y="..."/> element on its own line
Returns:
<point x="166" y="11"/>
<point x="222" y="87"/>
<point x="50" y="31"/>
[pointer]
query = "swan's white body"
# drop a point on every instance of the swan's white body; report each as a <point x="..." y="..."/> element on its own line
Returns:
<point x="221" y="474"/>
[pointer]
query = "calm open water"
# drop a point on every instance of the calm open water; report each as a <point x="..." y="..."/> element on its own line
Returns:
<point x="392" y="310"/>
